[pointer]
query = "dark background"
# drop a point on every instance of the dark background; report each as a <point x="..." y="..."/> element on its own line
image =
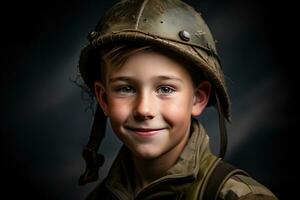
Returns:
<point x="44" y="122"/>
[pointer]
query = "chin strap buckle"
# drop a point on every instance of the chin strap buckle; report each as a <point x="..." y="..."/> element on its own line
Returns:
<point x="93" y="162"/>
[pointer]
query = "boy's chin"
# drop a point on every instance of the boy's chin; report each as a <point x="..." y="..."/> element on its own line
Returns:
<point x="145" y="154"/>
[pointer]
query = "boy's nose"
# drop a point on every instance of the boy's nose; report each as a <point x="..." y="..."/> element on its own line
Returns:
<point x="144" y="108"/>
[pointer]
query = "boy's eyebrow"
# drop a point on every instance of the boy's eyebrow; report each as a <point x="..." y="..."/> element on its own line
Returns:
<point x="119" y="78"/>
<point x="162" y="77"/>
<point x="128" y="78"/>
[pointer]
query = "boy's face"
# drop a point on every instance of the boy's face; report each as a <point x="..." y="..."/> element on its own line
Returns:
<point x="150" y="101"/>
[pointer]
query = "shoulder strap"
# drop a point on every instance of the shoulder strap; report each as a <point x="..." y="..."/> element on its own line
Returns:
<point x="222" y="172"/>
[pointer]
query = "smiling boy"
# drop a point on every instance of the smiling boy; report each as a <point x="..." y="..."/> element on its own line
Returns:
<point x="153" y="68"/>
<point x="150" y="100"/>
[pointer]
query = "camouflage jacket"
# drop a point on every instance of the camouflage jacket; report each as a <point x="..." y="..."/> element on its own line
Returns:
<point x="187" y="179"/>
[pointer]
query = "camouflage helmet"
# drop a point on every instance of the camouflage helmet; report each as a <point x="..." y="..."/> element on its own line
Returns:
<point x="167" y="23"/>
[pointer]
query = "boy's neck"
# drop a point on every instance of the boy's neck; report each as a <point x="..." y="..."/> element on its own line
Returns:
<point x="147" y="171"/>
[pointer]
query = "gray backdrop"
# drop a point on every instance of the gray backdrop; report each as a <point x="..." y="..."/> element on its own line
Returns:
<point x="44" y="122"/>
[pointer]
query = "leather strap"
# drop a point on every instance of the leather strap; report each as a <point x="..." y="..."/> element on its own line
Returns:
<point x="222" y="126"/>
<point x="222" y="172"/>
<point x="92" y="159"/>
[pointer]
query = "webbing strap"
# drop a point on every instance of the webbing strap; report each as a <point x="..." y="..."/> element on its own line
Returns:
<point x="222" y="172"/>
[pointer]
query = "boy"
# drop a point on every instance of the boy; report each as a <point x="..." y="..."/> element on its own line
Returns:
<point x="153" y="67"/>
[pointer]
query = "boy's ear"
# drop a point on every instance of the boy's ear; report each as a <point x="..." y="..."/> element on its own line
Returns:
<point x="101" y="96"/>
<point x="201" y="97"/>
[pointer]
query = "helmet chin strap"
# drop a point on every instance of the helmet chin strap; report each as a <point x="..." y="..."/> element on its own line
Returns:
<point x="222" y="126"/>
<point x="92" y="159"/>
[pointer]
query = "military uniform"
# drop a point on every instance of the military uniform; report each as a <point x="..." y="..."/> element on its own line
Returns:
<point x="177" y="27"/>
<point x="187" y="179"/>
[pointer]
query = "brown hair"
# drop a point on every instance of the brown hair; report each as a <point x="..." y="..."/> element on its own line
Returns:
<point x="118" y="54"/>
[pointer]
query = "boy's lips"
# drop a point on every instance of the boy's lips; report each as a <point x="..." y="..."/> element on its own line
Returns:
<point x="144" y="131"/>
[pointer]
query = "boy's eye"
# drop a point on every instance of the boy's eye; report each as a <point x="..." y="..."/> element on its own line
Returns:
<point x="125" y="89"/>
<point x="165" y="90"/>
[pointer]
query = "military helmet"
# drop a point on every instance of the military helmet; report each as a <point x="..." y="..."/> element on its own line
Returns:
<point x="171" y="24"/>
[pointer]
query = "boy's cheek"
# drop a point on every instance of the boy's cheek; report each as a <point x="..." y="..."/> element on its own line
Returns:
<point x="176" y="114"/>
<point x="118" y="111"/>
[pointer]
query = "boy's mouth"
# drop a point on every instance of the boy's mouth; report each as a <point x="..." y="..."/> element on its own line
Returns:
<point x="146" y="132"/>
